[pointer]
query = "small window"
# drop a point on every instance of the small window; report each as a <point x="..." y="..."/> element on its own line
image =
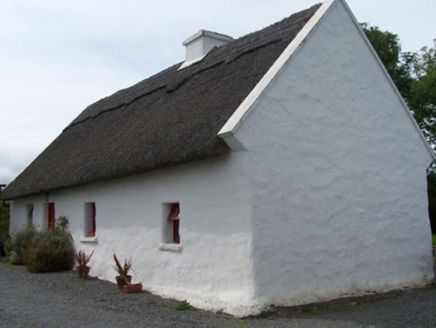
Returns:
<point x="29" y="212"/>
<point x="90" y="219"/>
<point x="172" y="223"/>
<point x="51" y="221"/>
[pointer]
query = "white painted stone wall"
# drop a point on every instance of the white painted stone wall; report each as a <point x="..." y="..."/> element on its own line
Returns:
<point x="214" y="268"/>
<point x="337" y="173"/>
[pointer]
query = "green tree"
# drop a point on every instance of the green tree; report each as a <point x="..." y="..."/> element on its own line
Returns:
<point x="398" y="64"/>
<point x="422" y="99"/>
<point x="4" y="218"/>
<point x="414" y="74"/>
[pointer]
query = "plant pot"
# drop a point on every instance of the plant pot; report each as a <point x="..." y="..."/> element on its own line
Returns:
<point x="132" y="288"/>
<point x="83" y="271"/>
<point x="121" y="281"/>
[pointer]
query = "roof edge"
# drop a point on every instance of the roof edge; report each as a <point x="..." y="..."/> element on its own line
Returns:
<point x="377" y="58"/>
<point x="228" y="130"/>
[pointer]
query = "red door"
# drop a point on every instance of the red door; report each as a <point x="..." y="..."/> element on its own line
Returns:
<point x="51" y="215"/>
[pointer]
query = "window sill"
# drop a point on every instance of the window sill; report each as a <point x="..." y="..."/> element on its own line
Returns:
<point x="89" y="240"/>
<point x="171" y="247"/>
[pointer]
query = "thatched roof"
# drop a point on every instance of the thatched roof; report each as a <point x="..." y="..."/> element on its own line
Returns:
<point x="170" y="118"/>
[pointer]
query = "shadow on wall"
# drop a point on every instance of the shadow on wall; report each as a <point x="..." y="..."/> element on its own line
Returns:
<point x="431" y="185"/>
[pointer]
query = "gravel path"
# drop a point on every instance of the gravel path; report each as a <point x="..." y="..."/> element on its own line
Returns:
<point x="62" y="300"/>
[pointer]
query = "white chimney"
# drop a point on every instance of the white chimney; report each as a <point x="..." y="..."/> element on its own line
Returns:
<point x="198" y="45"/>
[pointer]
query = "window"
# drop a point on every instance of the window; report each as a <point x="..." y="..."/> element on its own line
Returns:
<point x="173" y="217"/>
<point x="171" y="223"/>
<point x="29" y="212"/>
<point x="90" y="219"/>
<point x="170" y="241"/>
<point x="51" y="221"/>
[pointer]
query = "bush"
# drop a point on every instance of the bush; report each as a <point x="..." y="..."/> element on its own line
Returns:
<point x="51" y="251"/>
<point x="21" y="241"/>
<point x="44" y="251"/>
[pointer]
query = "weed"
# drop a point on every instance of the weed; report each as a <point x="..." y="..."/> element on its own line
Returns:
<point x="349" y="305"/>
<point x="225" y="317"/>
<point x="242" y="321"/>
<point x="183" y="306"/>
<point x="6" y="260"/>
<point x="311" y="311"/>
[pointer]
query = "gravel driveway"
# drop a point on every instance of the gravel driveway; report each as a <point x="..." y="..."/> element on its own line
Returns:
<point x="62" y="300"/>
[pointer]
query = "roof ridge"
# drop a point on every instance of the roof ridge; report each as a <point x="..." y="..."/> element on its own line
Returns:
<point x="207" y="63"/>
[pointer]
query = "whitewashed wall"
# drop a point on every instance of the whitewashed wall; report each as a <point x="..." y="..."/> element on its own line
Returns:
<point x="338" y="174"/>
<point x="214" y="269"/>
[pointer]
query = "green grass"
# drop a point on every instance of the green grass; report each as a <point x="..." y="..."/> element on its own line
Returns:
<point x="183" y="306"/>
<point x="225" y="317"/>
<point x="311" y="311"/>
<point x="433" y="238"/>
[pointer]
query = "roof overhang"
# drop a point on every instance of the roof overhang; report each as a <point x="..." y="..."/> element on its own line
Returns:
<point x="227" y="132"/>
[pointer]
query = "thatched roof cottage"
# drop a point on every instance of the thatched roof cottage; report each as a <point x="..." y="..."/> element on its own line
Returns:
<point x="279" y="168"/>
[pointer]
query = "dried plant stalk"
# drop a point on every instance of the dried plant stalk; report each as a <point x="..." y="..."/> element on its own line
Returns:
<point x="82" y="259"/>
<point x="123" y="270"/>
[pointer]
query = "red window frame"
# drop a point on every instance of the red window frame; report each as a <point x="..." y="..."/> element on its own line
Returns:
<point x="30" y="214"/>
<point x="51" y="216"/>
<point x="94" y="213"/>
<point x="173" y="217"/>
<point x="93" y="218"/>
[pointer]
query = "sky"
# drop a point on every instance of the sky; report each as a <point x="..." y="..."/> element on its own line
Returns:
<point x="57" y="56"/>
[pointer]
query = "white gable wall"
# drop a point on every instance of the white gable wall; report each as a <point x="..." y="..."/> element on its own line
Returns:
<point x="338" y="175"/>
<point x="214" y="269"/>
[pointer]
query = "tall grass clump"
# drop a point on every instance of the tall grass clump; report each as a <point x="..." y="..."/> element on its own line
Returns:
<point x="51" y="250"/>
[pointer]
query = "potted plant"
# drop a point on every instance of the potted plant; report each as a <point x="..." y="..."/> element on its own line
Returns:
<point x="82" y="260"/>
<point x="132" y="288"/>
<point x="123" y="277"/>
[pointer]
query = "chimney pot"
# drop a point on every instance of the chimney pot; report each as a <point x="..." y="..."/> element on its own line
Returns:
<point x="198" y="45"/>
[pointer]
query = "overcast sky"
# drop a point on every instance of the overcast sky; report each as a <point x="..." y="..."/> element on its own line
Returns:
<point x="57" y="56"/>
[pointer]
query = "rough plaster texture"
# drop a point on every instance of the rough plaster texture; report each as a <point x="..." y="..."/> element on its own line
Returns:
<point x="328" y="198"/>
<point x="213" y="270"/>
<point x="337" y="173"/>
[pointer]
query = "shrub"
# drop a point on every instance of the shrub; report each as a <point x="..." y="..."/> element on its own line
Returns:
<point x="21" y="241"/>
<point x="44" y="251"/>
<point x="52" y="251"/>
